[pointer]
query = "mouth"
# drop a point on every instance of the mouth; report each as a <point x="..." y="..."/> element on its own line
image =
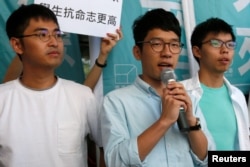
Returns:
<point x="165" y="65"/>
<point x="224" y="61"/>
<point x="54" y="53"/>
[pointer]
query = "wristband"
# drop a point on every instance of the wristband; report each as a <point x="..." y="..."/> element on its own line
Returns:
<point x="197" y="125"/>
<point x="100" y="65"/>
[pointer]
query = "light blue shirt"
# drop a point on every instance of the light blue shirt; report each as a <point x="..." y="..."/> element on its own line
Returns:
<point x="129" y="111"/>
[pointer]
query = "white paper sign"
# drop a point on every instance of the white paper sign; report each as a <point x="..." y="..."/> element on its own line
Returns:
<point x="88" y="17"/>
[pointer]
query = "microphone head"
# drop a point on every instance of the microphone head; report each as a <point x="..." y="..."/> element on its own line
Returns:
<point x="168" y="75"/>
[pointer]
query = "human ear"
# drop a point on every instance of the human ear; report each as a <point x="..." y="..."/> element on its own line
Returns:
<point x="16" y="45"/>
<point x="137" y="52"/>
<point x="196" y="52"/>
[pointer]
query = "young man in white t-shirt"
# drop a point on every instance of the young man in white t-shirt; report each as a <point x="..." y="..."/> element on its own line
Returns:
<point x="44" y="119"/>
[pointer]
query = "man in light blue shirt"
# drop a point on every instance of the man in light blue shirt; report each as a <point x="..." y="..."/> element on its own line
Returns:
<point x="139" y="121"/>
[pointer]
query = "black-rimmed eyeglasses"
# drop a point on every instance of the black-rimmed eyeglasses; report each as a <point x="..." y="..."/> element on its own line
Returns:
<point x="216" y="43"/>
<point x="158" y="45"/>
<point x="45" y="35"/>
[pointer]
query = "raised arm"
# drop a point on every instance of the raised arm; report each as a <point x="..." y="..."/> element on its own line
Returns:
<point x="107" y="44"/>
<point x="14" y="70"/>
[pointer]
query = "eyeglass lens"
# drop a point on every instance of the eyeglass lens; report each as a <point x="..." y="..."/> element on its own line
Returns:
<point x="218" y="43"/>
<point x="45" y="36"/>
<point x="159" y="45"/>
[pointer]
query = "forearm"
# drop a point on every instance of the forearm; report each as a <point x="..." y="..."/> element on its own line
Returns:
<point x="107" y="44"/>
<point x="197" y="140"/>
<point x="95" y="73"/>
<point x="101" y="159"/>
<point x="93" y="77"/>
<point x="199" y="144"/>
<point x="146" y="142"/>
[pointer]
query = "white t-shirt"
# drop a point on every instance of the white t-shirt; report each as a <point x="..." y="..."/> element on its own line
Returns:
<point x="47" y="128"/>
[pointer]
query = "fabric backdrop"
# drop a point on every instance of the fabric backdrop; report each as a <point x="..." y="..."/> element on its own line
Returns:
<point x="122" y="67"/>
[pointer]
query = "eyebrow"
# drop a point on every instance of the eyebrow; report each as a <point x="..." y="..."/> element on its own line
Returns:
<point x="175" y="39"/>
<point x="230" y="40"/>
<point x="45" y="29"/>
<point x="170" y="40"/>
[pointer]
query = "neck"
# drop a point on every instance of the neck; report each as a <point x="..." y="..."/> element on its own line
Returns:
<point x="38" y="84"/>
<point x="211" y="80"/>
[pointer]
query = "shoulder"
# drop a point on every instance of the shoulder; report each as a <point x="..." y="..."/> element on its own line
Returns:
<point x="192" y="86"/>
<point x="237" y="93"/>
<point x="7" y="86"/>
<point x="191" y="83"/>
<point x="233" y="89"/>
<point x="6" y="92"/>
<point x="79" y="93"/>
<point x="121" y="96"/>
<point x="187" y="81"/>
<point x="75" y="87"/>
<point x="121" y="92"/>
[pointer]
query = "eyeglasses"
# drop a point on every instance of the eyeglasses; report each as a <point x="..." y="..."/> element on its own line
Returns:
<point x="45" y="36"/>
<point x="218" y="43"/>
<point x="158" y="45"/>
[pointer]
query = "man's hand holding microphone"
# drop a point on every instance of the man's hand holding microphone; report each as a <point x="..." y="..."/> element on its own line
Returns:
<point x="175" y="99"/>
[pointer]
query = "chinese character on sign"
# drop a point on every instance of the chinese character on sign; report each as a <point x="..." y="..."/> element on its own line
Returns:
<point x="86" y="17"/>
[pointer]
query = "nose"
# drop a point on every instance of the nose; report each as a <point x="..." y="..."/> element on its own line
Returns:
<point x="52" y="40"/>
<point x="224" y="48"/>
<point x="224" y="45"/>
<point x="166" y="51"/>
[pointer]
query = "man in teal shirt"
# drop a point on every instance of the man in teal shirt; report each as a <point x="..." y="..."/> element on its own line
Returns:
<point x="223" y="105"/>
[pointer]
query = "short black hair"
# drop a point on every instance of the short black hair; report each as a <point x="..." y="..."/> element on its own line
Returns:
<point x="156" y="18"/>
<point x="211" y="25"/>
<point x="20" y="18"/>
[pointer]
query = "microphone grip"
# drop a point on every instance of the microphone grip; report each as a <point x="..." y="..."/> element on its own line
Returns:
<point x="182" y="121"/>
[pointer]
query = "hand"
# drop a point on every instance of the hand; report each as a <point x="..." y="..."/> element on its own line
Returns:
<point x="175" y="96"/>
<point x="107" y="43"/>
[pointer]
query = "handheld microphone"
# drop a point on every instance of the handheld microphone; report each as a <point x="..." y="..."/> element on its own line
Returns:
<point x="168" y="75"/>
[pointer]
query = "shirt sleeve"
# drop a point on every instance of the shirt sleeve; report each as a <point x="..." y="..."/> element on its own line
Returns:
<point x="93" y="119"/>
<point x="120" y="148"/>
